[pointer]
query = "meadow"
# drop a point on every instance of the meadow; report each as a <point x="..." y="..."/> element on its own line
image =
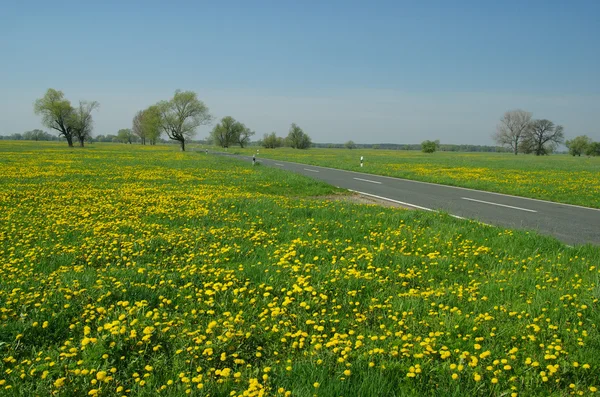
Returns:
<point x="143" y="271"/>
<point x="559" y="178"/>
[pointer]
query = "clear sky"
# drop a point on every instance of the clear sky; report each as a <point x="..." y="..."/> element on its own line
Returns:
<point x="370" y="71"/>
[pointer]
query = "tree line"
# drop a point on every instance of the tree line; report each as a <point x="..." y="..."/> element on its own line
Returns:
<point x="179" y="117"/>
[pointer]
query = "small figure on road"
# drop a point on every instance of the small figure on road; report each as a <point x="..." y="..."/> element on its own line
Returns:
<point x="361" y="161"/>
<point x="254" y="159"/>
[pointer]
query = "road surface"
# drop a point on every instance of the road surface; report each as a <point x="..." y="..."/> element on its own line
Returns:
<point x="569" y="223"/>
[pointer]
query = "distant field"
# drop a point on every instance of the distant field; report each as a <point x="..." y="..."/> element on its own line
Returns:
<point x="560" y="178"/>
<point x="144" y="271"/>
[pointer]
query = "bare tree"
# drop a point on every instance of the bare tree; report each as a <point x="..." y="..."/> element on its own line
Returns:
<point x="180" y="116"/>
<point x="138" y="126"/>
<point x="544" y="136"/>
<point x="57" y="113"/>
<point x="82" y="122"/>
<point x="512" y="128"/>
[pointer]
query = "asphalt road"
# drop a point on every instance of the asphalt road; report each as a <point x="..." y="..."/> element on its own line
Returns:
<point x="569" y="223"/>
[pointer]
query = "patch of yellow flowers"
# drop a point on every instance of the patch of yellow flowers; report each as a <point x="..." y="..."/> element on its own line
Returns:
<point x="149" y="272"/>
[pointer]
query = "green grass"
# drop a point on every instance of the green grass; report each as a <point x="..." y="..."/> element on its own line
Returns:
<point x="143" y="271"/>
<point x="560" y="178"/>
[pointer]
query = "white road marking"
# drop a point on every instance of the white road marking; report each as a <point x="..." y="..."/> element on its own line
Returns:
<point x="499" y="205"/>
<point x="455" y="187"/>
<point x="281" y="165"/>
<point x="393" y="201"/>
<point x="417" y="206"/>
<point x="366" y="180"/>
<point x="308" y="169"/>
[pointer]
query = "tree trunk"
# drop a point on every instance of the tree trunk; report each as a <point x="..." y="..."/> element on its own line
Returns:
<point x="182" y="145"/>
<point x="69" y="140"/>
<point x="81" y="142"/>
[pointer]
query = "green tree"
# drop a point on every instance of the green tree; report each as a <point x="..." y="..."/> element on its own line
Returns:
<point x="244" y="136"/>
<point x="429" y="146"/>
<point x="82" y="122"/>
<point x="227" y="132"/>
<point x="57" y="113"/>
<point x="350" y="145"/>
<point x="180" y="116"/>
<point x="272" y="141"/>
<point x="151" y="124"/>
<point x="578" y="145"/>
<point x="125" y="135"/>
<point x="297" y="139"/>
<point x="37" y="135"/>
<point x="593" y="149"/>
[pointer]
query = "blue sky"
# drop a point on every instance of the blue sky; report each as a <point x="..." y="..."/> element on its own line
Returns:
<point x="371" y="71"/>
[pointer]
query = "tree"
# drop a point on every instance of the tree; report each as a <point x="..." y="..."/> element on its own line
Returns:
<point x="350" y="145"/>
<point x="138" y="126"/>
<point x="227" y="132"/>
<point x="578" y="145"/>
<point x="511" y="129"/>
<point x="36" y="135"/>
<point x="297" y="139"/>
<point x="244" y="136"/>
<point x="57" y="113"/>
<point x="151" y="124"/>
<point x="82" y="122"/>
<point x="429" y="146"/>
<point x="125" y="135"/>
<point x="272" y="141"/>
<point x="593" y="149"/>
<point x="180" y="116"/>
<point x="544" y="136"/>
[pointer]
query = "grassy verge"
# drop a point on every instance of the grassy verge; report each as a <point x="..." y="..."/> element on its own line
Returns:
<point x="560" y="178"/>
<point x="144" y="271"/>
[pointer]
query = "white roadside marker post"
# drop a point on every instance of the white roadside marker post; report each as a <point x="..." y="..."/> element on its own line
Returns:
<point x="361" y="161"/>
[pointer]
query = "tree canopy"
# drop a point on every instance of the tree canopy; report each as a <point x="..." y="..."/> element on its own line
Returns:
<point x="180" y="116"/>
<point x="56" y="112"/>
<point x="297" y="139"/>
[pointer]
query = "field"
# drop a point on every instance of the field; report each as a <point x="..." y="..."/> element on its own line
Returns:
<point x="144" y="271"/>
<point x="560" y="178"/>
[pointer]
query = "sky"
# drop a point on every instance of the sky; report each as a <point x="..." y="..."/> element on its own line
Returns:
<point x="367" y="71"/>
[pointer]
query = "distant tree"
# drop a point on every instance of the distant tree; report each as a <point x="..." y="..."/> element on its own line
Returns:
<point x="180" y="116"/>
<point x="244" y="136"/>
<point x="593" y="149"/>
<point x="138" y="127"/>
<point x="578" y="145"/>
<point x="376" y="147"/>
<point x="543" y="136"/>
<point x="125" y="135"/>
<point x="82" y="122"/>
<point x="151" y="124"/>
<point x="350" y="145"/>
<point x="57" y="113"/>
<point x="297" y="139"/>
<point x="37" y="135"/>
<point x="227" y="132"/>
<point x="429" y="146"/>
<point x="512" y="128"/>
<point x="272" y="141"/>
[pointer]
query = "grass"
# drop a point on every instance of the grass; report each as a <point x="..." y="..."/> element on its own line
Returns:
<point x="560" y="178"/>
<point x="143" y="271"/>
